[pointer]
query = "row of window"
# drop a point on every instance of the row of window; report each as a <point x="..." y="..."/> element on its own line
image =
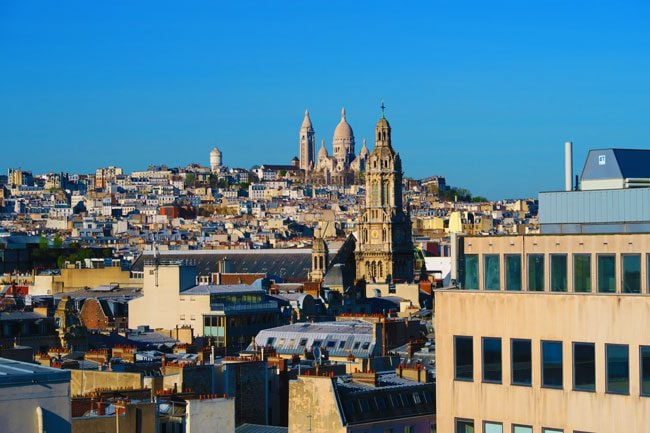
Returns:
<point x="606" y="274"/>
<point x="329" y="344"/>
<point x="617" y="364"/>
<point x="467" y="426"/>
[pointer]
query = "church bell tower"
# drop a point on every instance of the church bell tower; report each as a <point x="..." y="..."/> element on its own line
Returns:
<point x="385" y="246"/>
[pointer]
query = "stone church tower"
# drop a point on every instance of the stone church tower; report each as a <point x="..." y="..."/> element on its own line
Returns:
<point x="385" y="247"/>
<point x="307" y="144"/>
<point x="319" y="258"/>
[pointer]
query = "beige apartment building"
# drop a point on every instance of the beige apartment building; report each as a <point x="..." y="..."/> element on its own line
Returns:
<point x="547" y="334"/>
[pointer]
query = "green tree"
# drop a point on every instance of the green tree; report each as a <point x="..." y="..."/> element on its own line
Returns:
<point x="57" y="242"/>
<point x="190" y="179"/>
<point x="43" y="243"/>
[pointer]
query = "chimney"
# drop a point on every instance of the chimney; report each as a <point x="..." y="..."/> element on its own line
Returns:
<point x="568" y="166"/>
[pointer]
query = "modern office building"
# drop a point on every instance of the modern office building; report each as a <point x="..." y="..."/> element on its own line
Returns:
<point x="547" y="333"/>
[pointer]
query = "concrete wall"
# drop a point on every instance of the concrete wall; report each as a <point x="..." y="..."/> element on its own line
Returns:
<point x="617" y="244"/>
<point x="594" y="318"/>
<point x="410" y="292"/>
<point x="128" y="421"/>
<point x="313" y="407"/>
<point x="80" y="278"/>
<point x="162" y="306"/>
<point x="19" y="403"/>
<point x="213" y="415"/>
<point x="85" y="381"/>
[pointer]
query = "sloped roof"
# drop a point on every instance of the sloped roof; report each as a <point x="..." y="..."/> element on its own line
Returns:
<point x="617" y="164"/>
<point x="393" y="398"/>
<point x="291" y="265"/>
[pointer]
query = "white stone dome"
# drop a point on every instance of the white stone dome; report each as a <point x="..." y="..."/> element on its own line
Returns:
<point x="343" y="130"/>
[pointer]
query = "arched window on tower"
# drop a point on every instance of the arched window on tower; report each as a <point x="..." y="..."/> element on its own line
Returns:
<point x="381" y="270"/>
<point x="373" y="269"/>
<point x="375" y="193"/>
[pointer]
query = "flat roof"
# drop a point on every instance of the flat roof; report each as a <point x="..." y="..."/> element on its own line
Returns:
<point x="15" y="373"/>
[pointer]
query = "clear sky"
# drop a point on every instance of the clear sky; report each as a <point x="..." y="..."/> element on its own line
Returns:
<point x="484" y="93"/>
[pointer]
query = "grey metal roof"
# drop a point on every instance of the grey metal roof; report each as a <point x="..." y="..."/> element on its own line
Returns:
<point x="257" y="428"/>
<point x="288" y="264"/>
<point x="617" y="163"/>
<point x="16" y="373"/>
<point x="206" y="289"/>
<point x="393" y="398"/>
<point x="338" y="338"/>
<point x="20" y="315"/>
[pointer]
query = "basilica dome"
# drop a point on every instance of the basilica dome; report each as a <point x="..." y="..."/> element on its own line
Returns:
<point x="343" y="130"/>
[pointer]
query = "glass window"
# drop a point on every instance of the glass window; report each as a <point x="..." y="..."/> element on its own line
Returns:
<point x="513" y="272"/>
<point x="471" y="272"/>
<point x="491" y="272"/>
<point x="632" y="273"/>
<point x="606" y="273"/>
<point x="584" y="367"/>
<point x="464" y="358"/>
<point x="492" y="360"/>
<point x="582" y="273"/>
<point x="618" y="374"/>
<point x="536" y="272"/>
<point x="492" y="427"/>
<point x="522" y="429"/>
<point x="464" y="426"/>
<point x="552" y="430"/>
<point x="552" y="364"/>
<point x="558" y="272"/>
<point x="521" y="362"/>
<point x="644" y="352"/>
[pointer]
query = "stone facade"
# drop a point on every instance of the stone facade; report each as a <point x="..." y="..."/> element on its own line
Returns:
<point x="385" y="248"/>
<point x="343" y="167"/>
<point x="307" y="144"/>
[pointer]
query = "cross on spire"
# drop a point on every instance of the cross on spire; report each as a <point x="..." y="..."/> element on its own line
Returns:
<point x="383" y="107"/>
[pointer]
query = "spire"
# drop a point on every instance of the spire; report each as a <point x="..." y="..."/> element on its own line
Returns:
<point x="343" y="113"/>
<point x="306" y="122"/>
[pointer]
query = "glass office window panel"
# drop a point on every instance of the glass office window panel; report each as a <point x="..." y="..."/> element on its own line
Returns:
<point x="513" y="272"/>
<point x="644" y="353"/>
<point x="558" y="272"/>
<point x="536" y="272"/>
<point x="584" y="367"/>
<point x="491" y="272"/>
<point x="582" y="273"/>
<point x="492" y="360"/>
<point x="632" y="273"/>
<point x="521" y="362"/>
<point x="522" y="429"/>
<point x="552" y="430"/>
<point x="552" y="364"/>
<point x="618" y="369"/>
<point x="464" y="358"/>
<point x="464" y="426"/>
<point x="471" y="272"/>
<point x="492" y="427"/>
<point x="606" y="273"/>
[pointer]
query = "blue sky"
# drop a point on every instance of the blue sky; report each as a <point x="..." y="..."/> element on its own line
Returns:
<point x="484" y="93"/>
